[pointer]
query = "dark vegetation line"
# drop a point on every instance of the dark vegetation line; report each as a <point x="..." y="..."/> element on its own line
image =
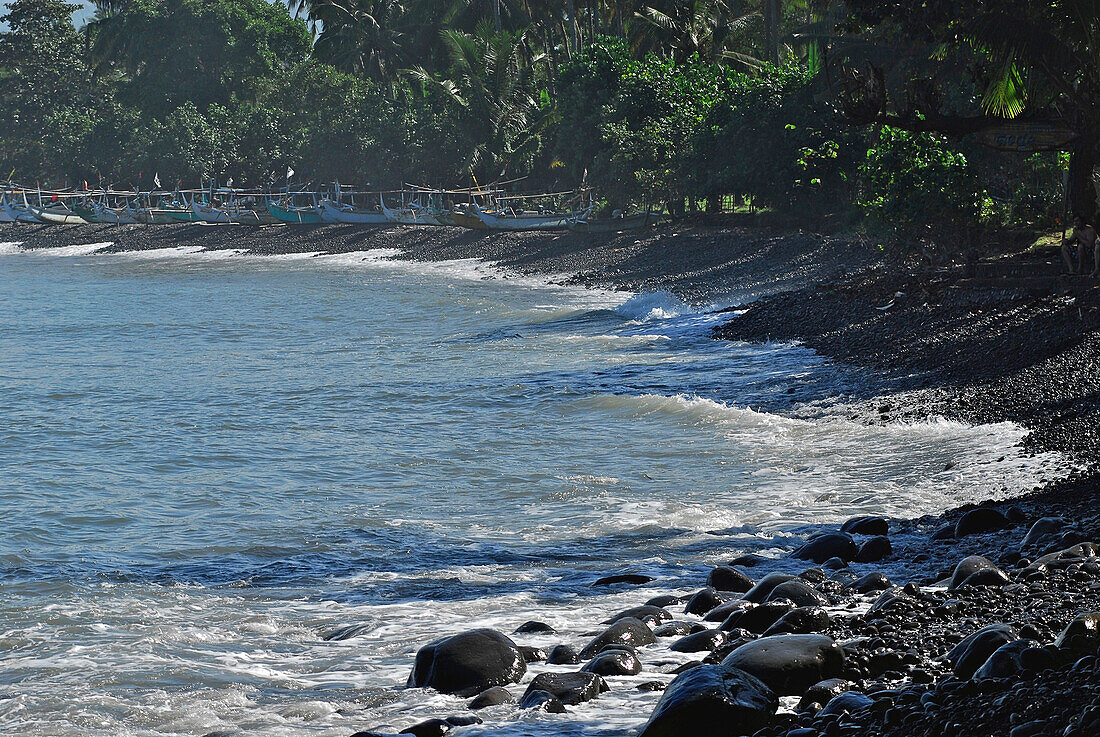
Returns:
<point x="823" y="111"/>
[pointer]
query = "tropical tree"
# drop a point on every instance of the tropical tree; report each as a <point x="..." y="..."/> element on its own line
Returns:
<point x="962" y="67"/>
<point x="491" y="84"/>
<point x="41" y="70"/>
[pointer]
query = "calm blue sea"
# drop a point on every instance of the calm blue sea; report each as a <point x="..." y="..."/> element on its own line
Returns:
<point x="209" y="461"/>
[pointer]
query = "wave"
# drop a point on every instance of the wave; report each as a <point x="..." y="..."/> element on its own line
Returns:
<point x="660" y="305"/>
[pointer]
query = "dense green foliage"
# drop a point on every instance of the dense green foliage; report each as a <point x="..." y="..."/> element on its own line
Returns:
<point x="666" y="103"/>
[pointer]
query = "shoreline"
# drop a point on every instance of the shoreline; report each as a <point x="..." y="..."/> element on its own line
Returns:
<point x="805" y="288"/>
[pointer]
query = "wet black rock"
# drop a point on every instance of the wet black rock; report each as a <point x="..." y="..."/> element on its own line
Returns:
<point x="874" y="581"/>
<point x="429" y="728"/>
<point x="345" y="633"/>
<point x="764" y="586"/>
<point x="563" y="655"/>
<point x="703" y="601"/>
<point x="981" y="520"/>
<point x="813" y="575"/>
<point x="821" y="548"/>
<point x="1043" y="528"/>
<point x="975" y="649"/>
<point x="722" y="612"/>
<point x="532" y="654"/>
<point x="823" y="692"/>
<point x="664" y="601"/>
<point x="947" y="532"/>
<point x="1081" y="635"/>
<point x="725" y="578"/>
<point x="746" y="561"/>
<point x="674" y="629"/>
<point x="866" y="525"/>
<point x="468" y="663"/>
<point x="651" y="686"/>
<point x="491" y="697"/>
<point x="614" y="663"/>
<point x="987" y="577"/>
<point x="706" y="641"/>
<point x="633" y="579"/>
<point x="799" y="592"/>
<point x="568" y="688"/>
<point x="967" y="567"/>
<point x="542" y="700"/>
<point x="646" y="612"/>
<point x="626" y="632"/>
<point x="711" y="699"/>
<point x="874" y="550"/>
<point x="846" y="703"/>
<point x="834" y="564"/>
<point x="533" y="628"/>
<point x="789" y="664"/>
<point x="801" y="621"/>
<point x="758" y="618"/>
<point x="1005" y="661"/>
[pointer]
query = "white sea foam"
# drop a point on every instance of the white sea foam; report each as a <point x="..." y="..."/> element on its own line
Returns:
<point x="9" y="249"/>
<point x="659" y="305"/>
<point x="81" y="249"/>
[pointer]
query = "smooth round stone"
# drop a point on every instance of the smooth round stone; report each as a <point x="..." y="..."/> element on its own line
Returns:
<point x="568" y="688"/>
<point x="711" y="700"/>
<point x="707" y="641"/>
<point x="627" y="631"/>
<point x="614" y="663"/>
<point x="468" y="663"/>
<point x="789" y="664"/>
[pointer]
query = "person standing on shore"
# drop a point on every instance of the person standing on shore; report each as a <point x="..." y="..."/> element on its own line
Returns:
<point x="1085" y="236"/>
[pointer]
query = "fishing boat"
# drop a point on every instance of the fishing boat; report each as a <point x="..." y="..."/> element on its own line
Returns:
<point x="464" y="216"/>
<point x="338" y="212"/>
<point x="56" y="214"/>
<point x="310" y="215"/>
<point x="211" y="215"/>
<point x="614" y="224"/>
<point x="510" y="220"/>
<point x="20" y="213"/>
<point x="85" y="210"/>
<point x="120" y="216"/>
<point x="411" y="214"/>
<point x="161" y="215"/>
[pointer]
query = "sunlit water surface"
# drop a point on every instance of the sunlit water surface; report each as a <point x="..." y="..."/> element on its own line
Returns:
<point x="209" y="461"/>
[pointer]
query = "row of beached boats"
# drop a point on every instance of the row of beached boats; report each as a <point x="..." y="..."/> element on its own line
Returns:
<point x="482" y="210"/>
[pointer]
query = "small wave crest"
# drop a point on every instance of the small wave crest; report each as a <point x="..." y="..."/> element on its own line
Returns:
<point x="8" y="249"/>
<point x="660" y="305"/>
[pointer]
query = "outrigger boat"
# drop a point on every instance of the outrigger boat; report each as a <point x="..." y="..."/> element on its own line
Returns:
<point x="511" y="220"/>
<point x="411" y="214"/>
<point x="338" y="212"/>
<point x="20" y="213"/>
<point x="295" y="215"/>
<point x="56" y="214"/>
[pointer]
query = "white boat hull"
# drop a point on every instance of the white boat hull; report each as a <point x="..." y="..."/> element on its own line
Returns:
<point x="113" y="217"/>
<point x="534" y="222"/>
<point x="332" y="212"/>
<point x="56" y="217"/>
<point x="210" y="214"/>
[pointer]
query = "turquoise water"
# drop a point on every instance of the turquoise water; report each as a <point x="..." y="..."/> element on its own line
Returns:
<point x="208" y="461"/>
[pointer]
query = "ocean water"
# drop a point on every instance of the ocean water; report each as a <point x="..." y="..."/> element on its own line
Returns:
<point x="209" y="462"/>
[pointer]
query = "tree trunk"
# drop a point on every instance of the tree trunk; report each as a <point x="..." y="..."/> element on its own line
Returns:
<point x="771" y="30"/>
<point x="572" y="5"/>
<point x="1082" y="187"/>
<point x="496" y="14"/>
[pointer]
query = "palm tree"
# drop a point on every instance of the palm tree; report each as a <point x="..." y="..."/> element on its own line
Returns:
<point x="491" y="81"/>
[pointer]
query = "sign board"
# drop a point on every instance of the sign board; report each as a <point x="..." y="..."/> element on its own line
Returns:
<point x="1026" y="137"/>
